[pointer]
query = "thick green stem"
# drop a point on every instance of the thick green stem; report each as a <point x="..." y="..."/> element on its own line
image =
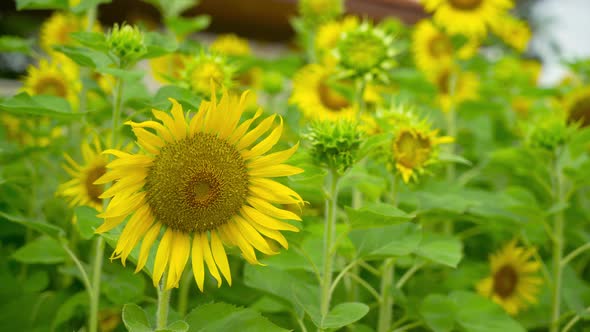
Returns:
<point x="96" y="275"/>
<point x="361" y="85"/>
<point x="329" y="236"/>
<point x="558" y="245"/>
<point x="117" y="106"/>
<point x="163" y="305"/>
<point x="386" y="301"/>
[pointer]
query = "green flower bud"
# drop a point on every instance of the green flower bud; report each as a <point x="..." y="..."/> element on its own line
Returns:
<point x="334" y="144"/>
<point x="549" y="135"/>
<point x="126" y="42"/>
<point x="272" y="82"/>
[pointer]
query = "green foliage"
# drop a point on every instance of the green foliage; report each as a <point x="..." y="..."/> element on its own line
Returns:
<point x="226" y="317"/>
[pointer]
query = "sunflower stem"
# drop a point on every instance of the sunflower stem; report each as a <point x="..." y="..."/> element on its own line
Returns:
<point x="451" y="122"/>
<point x="558" y="245"/>
<point x="163" y="305"/>
<point x="386" y="298"/>
<point x="95" y="283"/>
<point x="117" y="106"/>
<point x="185" y="286"/>
<point x="329" y="236"/>
<point x="361" y="86"/>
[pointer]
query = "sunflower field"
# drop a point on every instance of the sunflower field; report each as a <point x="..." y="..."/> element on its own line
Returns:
<point x="369" y="176"/>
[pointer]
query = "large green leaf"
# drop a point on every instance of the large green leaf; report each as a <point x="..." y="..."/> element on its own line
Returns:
<point x="87" y="221"/>
<point x="39" y="226"/>
<point x="442" y="249"/>
<point x="135" y="319"/>
<point x="477" y="314"/>
<point x="376" y="214"/>
<point x="15" y="44"/>
<point x="438" y="312"/>
<point x="85" y="56"/>
<point x="43" y="250"/>
<point x="226" y="317"/>
<point x="344" y="314"/>
<point x="182" y="26"/>
<point x="121" y="285"/>
<point x="41" y="105"/>
<point x="386" y="241"/>
<point x="41" y="4"/>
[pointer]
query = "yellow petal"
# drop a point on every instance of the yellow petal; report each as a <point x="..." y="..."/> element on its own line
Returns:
<point x="266" y="221"/>
<point x="266" y="144"/>
<point x="271" y="210"/>
<point x="162" y="256"/>
<point x="273" y="158"/>
<point x="275" y="171"/>
<point x="252" y="236"/>
<point x="179" y="120"/>
<point x="197" y="261"/>
<point x="179" y="253"/>
<point x="146" y="245"/>
<point x="158" y="127"/>
<point x="255" y="133"/>
<point x="270" y="233"/>
<point x="209" y="259"/>
<point x="220" y="256"/>
<point x="245" y="247"/>
<point x="242" y="128"/>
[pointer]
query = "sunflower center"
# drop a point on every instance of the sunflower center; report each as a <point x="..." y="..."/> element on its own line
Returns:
<point x="95" y="190"/>
<point x="412" y="150"/>
<point x="50" y="86"/>
<point x="197" y="184"/>
<point x="331" y="98"/>
<point x="443" y="83"/>
<point x="465" y="4"/>
<point x="580" y="112"/>
<point x="505" y="281"/>
<point x="440" y="45"/>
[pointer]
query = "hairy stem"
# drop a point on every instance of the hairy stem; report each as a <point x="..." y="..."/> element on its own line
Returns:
<point x="558" y="245"/>
<point x="329" y="236"/>
<point x="96" y="275"/>
<point x="386" y="303"/>
<point x="163" y="305"/>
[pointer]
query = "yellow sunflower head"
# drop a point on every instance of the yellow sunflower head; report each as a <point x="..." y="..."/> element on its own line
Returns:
<point x="231" y="45"/>
<point x="169" y="67"/>
<point x="316" y="12"/>
<point x="432" y="47"/>
<point x="315" y="94"/>
<point x="327" y="37"/>
<point x="56" y="30"/>
<point x="52" y="78"/>
<point x="513" y="283"/>
<point x="514" y="32"/>
<point x="468" y="17"/>
<point x="454" y="86"/>
<point x="577" y="106"/>
<point x="201" y="182"/>
<point x="414" y="147"/>
<point x="206" y="71"/>
<point x="81" y="190"/>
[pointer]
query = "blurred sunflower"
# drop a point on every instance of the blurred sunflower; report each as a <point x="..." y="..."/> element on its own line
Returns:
<point x="454" y="86"/>
<point x="316" y="12"/>
<point x="316" y="97"/>
<point x="205" y="70"/>
<point x="56" y="30"/>
<point x="467" y="17"/>
<point x="327" y="37"/>
<point x="51" y="78"/>
<point x="231" y="45"/>
<point x="81" y="189"/>
<point x="577" y="106"/>
<point x="203" y="180"/>
<point x="168" y="67"/>
<point x="513" y="284"/>
<point x="415" y="147"/>
<point x="432" y="47"/>
<point x="514" y="32"/>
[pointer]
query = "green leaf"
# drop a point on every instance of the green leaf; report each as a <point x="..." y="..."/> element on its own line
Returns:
<point x="93" y="40"/>
<point x="438" y="312"/>
<point x="41" y="4"/>
<point x="69" y="308"/>
<point x="87" y="221"/>
<point x="124" y="74"/>
<point x="344" y="314"/>
<point x="215" y="317"/>
<point x="84" y="56"/>
<point x="576" y="292"/>
<point x="135" y="319"/>
<point x="172" y="8"/>
<point x="84" y="5"/>
<point x="43" y="250"/>
<point x="376" y="214"/>
<point x="44" y="105"/>
<point x="453" y="158"/>
<point x="478" y="314"/>
<point x="442" y="249"/>
<point x="158" y="44"/>
<point x="183" y="26"/>
<point x="178" y="326"/>
<point x="39" y="226"/>
<point x="15" y="44"/>
<point x="387" y="241"/>
<point x="122" y="285"/>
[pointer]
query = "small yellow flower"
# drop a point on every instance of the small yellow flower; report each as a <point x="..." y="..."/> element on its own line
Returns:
<point x="432" y="47"/>
<point x="52" y="78"/>
<point x="56" y="30"/>
<point x="168" y="67"/>
<point x="206" y="69"/>
<point x="414" y="148"/>
<point x="513" y="283"/>
<point x="512" y="31"/>
<point x="81" y="190"/>
<point x="231" y="45"/>
<point x="454" y="86"/>
<point x="328" y="35"/>
<point x="202" y="183"/>
<point x="468" y="17"/>
<point x="577" y="107"/>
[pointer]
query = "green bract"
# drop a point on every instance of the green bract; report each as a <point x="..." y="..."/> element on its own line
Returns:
<point x="335" y="144"/>
<point x="126" y="42"/>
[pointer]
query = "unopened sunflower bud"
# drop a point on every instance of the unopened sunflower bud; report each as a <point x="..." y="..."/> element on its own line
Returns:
<point x="335" y="143"/>
<point x="315" y="12"/>
<point x="272" y="82"/>
<point x="548" y="135"/>
<point x="126" y="42"/>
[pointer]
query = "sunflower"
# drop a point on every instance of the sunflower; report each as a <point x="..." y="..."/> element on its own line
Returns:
<point x="327" y="37"/>
<point x="514" y="32"/>
<point x="314" y="93"/>
<point x="205" y="70"/>
<point x="51" y="78"/>
<point x="168" y="67"/>
<point x="513" y="283"/>
<point x="414" y="148"/>
<point x="201" y="182"/>
<point x="468" y="17"/>
<point x="432" y="47"/>
<point x="81" y="190"/>
<point x="56" y="30"/>
<point x="454" y="86"/>
<point x="231" y="45"/>
<point x="577" y="106"/>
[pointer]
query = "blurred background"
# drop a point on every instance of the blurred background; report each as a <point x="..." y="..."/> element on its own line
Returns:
<point x="559" y="26"/>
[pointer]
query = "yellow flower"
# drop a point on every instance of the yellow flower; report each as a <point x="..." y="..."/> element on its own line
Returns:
<point x="231" y="45"/>
<point x="205" y="70"/>
<point x="316" y="97"/>
<point x="328" y="35"/>
<point x="200" y="181"/>
<point x="51" y="78"/>
<point x="432" y="47"/>
<point x="468" y="17"/>
<point x="168" y="67"/>
<point x="57" y="29"/>
<point x="454" y="87"/>
<point x="414" y="148"/>
<point x="512" y="31"/>
<point x="577" y="106"/>
<point x="521" y="106"/>
<point x="81" y="190"/>
<point x="513" y="283"/>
